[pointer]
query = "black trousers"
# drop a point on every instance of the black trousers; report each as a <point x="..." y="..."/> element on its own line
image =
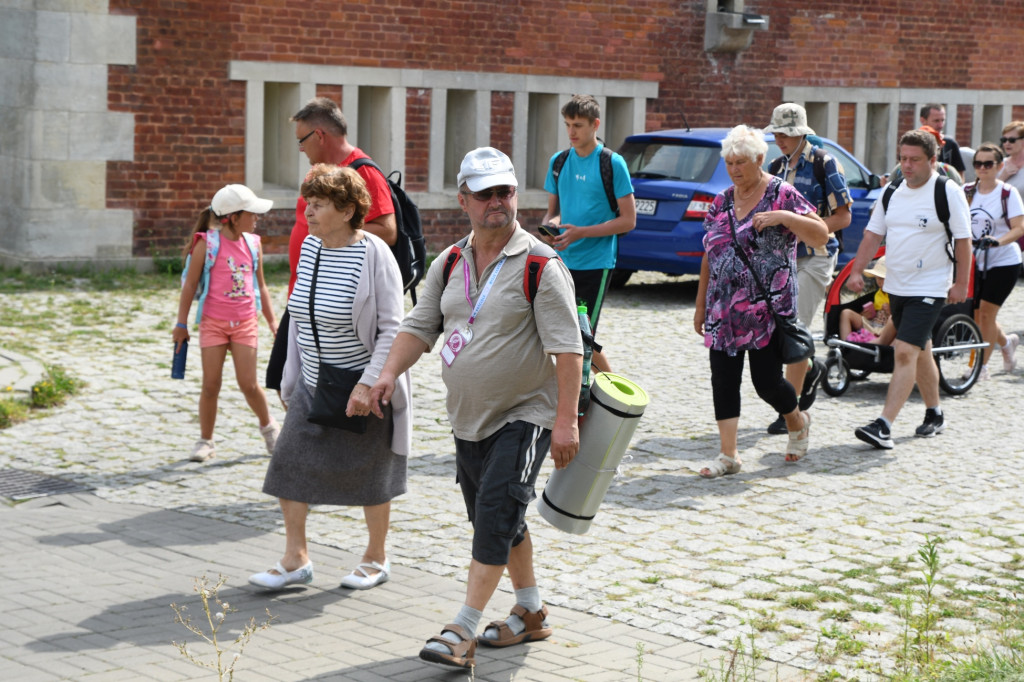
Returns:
<point x="765" y="373"/>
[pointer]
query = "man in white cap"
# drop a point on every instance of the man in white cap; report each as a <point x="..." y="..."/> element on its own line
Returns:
<point x="819" y="177"/>
<point x="508" y="402"/>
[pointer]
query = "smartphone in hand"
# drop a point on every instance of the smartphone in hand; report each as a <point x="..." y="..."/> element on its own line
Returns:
<point x="549" y="230"/>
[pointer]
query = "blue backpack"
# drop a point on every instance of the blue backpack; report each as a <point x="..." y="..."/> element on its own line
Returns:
<point x="212" y="247"/>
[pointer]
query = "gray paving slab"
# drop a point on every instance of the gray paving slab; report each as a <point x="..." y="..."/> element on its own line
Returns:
<point x="777" y="551"/>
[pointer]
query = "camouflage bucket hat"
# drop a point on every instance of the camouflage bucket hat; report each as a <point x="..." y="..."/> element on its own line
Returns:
<point x="789" y="119"/>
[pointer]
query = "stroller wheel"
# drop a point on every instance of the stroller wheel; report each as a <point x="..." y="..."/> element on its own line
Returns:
<point x="836" y="378"/>
<point x="959" y="366"/>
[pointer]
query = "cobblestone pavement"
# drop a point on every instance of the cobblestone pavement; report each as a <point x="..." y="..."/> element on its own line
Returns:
<point x="807" y="557"/>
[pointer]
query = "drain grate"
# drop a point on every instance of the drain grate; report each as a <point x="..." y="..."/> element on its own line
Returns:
<point x="16" y="484"/>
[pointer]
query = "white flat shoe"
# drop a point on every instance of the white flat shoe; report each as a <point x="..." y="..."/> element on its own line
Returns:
<point x="275" y="581"/>
<point x="361" y="579"/>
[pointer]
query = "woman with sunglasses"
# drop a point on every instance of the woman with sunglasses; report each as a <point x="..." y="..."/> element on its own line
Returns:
<point x="997" y="221"/>
<point x="1012" y="141"/>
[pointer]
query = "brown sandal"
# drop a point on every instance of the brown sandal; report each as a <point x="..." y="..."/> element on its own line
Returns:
<point x="534" y="631"/>
<point x="462" y="653"/>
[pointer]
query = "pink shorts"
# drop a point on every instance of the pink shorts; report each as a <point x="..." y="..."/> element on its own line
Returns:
<point x="222" y="332"/>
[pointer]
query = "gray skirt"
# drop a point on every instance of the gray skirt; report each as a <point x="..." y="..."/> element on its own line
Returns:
<point x="319" y="465"/>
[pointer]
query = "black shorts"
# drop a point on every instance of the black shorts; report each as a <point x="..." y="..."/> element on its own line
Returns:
<point x="915" y="317"/>
<point x="497" y="476"/>
<point x="591" y="286"/>
<point x="994" y="286"/>
<point x="278" y="354"/>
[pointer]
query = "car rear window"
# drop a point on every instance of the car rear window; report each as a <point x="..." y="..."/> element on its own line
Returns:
<point x="670" y="160"/>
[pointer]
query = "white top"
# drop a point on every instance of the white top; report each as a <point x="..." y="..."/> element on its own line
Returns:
<point x="1016" y="180"/>
<point x="915" y="256"/>
<point x="987" y="221"/>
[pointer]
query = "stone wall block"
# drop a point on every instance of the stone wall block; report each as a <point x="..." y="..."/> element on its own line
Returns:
<point x="67" y="184"/>
<point x="72" y="234"/>
<point x="108" y="136"/>
<point x="48" y="135"/>
<point x="17" y="34"/>
<point x="53" y="37"/>
<point x="71" y="87"/>
<point x="16" y="87"/>
<point x="101" y="39"/>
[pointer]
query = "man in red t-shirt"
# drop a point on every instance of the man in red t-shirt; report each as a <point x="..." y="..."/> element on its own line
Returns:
<point x="322" y="133"/>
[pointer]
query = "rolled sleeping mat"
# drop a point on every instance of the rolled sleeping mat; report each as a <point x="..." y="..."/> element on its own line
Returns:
<point x="572" y="495"/>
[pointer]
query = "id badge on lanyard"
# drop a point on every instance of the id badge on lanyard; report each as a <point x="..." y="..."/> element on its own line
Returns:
<point x="460" y="337"/>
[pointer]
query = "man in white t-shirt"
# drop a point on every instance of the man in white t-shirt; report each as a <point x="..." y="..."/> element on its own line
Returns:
<point x="920" y="279"/>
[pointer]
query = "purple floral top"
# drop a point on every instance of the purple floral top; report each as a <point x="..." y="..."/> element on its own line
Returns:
<point x="737" y="318"/>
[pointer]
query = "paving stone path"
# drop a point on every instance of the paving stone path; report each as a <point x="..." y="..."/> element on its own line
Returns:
<point x="806" y="558"/>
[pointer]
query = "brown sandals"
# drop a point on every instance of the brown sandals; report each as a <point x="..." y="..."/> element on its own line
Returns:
<point x="534" y="631"/>
<point x="462" y="653"/>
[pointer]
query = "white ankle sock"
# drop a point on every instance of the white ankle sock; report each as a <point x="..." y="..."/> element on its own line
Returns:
<point x="468" y="619"/>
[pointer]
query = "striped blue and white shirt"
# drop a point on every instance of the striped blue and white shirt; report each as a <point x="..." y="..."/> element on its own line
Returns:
<point x="336" y="281"/>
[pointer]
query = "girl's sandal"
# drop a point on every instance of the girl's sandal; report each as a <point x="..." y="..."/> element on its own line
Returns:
<point x="799" y="440"/>
<point x="722" y="466"/>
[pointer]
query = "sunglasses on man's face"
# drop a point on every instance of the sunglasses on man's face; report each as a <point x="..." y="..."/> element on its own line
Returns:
<point x="502" y="192"/>
<point x="984" y="164"/>
<point x="1008" y="140"/>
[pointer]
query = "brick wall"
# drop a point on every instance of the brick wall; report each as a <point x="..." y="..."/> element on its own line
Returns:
<point x="190" y="118"/>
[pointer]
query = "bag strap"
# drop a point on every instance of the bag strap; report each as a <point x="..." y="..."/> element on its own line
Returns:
<point x="312" y="298"/>
<point x="743" y="256"/>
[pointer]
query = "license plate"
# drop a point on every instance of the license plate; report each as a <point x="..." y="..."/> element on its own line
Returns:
<point x="646" y="206"/>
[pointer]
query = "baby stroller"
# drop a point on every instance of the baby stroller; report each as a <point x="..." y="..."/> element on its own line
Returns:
<point x="956" y="341"/>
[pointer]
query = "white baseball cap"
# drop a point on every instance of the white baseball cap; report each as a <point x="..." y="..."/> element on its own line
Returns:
<point x="233" y="198"/>
<point x="486" y="167"/>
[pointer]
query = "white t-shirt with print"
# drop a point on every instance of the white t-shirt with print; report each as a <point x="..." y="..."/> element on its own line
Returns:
<point x="915" y="239"/>
<point x="987" y="221"/>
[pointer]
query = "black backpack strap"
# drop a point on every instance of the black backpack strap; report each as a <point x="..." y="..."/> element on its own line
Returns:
<point x="942" y="211"/>
<point x="608" y="179"/>
<point x="887" y="194"/>
<point x="556" y="167"/>
<point x="1006" y="198"/>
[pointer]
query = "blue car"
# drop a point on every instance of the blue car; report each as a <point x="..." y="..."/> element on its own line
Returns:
<point x="676" y="175"/>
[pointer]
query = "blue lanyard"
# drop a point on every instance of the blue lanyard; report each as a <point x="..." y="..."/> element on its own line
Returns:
<point x="486" y="289"/>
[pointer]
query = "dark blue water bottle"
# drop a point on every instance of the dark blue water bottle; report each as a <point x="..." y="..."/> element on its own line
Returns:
<point x="178" y="366"/>
<point x="588" y="351"/>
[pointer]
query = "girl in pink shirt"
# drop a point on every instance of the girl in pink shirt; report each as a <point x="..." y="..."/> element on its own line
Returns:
<point x="226" y="268"/>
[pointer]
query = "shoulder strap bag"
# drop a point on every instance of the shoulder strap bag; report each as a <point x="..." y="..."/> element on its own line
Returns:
<point x="792" y="338"/>
<point x="334" y="385"/>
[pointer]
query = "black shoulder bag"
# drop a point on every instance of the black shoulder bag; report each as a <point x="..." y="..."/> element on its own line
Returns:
<point x="792" y="338"/>
<point x="334" y="385"/>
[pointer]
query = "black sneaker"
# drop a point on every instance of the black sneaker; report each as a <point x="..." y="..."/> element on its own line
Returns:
<point x="811" y="381"/>
<point x="778" y="427"/>
<point x="934" y="424"/>
<point x="877" y="434"/>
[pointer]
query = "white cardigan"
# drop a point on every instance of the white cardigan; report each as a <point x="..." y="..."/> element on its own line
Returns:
<point x="376" y="313"/>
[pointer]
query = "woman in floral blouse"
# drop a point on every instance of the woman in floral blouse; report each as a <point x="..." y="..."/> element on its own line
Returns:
<point x="765" y="217"/>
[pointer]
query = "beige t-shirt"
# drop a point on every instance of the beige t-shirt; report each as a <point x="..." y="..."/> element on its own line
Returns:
<point x="505" y="373"/>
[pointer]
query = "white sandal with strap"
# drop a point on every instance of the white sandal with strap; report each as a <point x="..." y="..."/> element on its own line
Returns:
<point x="723" y="466"/>
<point x="799" y="440"/>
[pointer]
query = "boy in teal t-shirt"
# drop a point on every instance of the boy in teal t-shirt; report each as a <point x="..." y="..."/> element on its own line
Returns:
<point x="579" y="210"/>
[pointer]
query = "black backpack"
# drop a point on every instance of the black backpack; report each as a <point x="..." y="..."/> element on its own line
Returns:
<point x="410" y="249"/>
<point x="607" y="175"/>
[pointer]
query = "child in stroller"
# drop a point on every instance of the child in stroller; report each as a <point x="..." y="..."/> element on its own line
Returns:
<point x="873" y="324"/>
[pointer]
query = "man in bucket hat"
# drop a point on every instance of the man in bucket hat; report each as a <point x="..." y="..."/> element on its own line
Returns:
<point x="508" y="401"/>
<point x="819" y="177"/>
